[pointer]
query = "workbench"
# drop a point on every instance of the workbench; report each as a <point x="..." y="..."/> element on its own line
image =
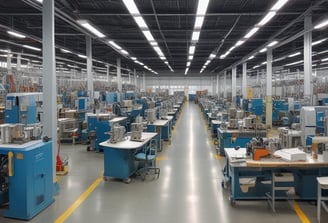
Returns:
<point x="174" y="114"/>
<point x="230" y="138"/>
<point x="162" y="128"/>
<point x="215" y="124"/>
<point x="251" y="180"/>
<point x="171" y="124"/>
<point x="119" y="161"/>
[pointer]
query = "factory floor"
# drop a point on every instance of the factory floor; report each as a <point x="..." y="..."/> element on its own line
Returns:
<point x="188" y="190"/>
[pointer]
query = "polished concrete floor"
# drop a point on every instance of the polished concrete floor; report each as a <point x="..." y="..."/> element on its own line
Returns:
<point x="188" y="190"/>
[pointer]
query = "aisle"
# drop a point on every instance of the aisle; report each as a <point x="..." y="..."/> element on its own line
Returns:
<point x="191" y="173"/>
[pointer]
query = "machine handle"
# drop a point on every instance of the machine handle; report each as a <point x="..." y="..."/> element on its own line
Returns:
<point x="10" y="164"/>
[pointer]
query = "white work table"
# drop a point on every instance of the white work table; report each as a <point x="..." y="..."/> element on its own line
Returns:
<point x="128" y="144"/>
<point x="117" y="119"/>
<point x="119" y="158"/>
<point x="160" y="122"/>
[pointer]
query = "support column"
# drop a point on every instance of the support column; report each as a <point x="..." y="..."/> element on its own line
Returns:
<point x="9" y="68"/>
<point x="308" y="58"/>
<point x="144" y="82"/>
<point x="89" y="69"/>
<point x="49" y="78"/>
<point x="244" y="81"/>
<point x="119" y="75"/>
<point x="217" y="85"/>
<point x="268" y="99"/>
<point x="225" y="85"/>
<point x="135" y="78"/>
<point x="233" y="84"/>
<point x="107" y="74"/>
<point x="19" y="62"/>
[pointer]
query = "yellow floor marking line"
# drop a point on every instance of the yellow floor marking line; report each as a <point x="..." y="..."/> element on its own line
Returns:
<point x="160" y="158"/>
<point x="79" y="201"/>
<point x="300" y="213"/>
<point x="217" y="156"/>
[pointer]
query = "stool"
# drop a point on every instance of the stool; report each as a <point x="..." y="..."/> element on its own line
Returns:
<point x="322" y="185"/>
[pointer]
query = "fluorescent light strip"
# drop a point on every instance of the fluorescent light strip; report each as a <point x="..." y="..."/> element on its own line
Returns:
<point x="240" y="42"/>
<point x="251" y="57"/>
<point x="257" y="66"/>
<point x="32" y="48"/>
<point x="251" y="32"/>
<point x="192" y="49"/>
<point x="294" y="54"/>
<point x="322" y="24"/>
<point x="319" y="41"/>
<point x="291" y="64"/>
<point x="263" y="50"/>
<point x="199" y="20"/>
<point x="115" y="45"/>
<point x="212" y="56"/>
<point x="324" y="59"/>
<point x="190" y="57"/>
<point x="267" y="18"/>
<point x="264" y="20"/>
<point x="124" y="52"/>
<point x="140" y="22"/>
<point x="278" y="5"/>
<point x="195" y="36"/>
<point x="134" y="11"/>
<point x="15" y="34"/>
<point x="82" y="56"/>
<point x="91" y="28"/>
<point x="272" y="43"/>
<point x="65" y="51"/>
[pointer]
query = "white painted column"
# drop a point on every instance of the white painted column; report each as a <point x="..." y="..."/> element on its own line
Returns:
<point x="135" y="77"/>
<point x="307" y="57"/>
<point x="225" y="85"/>
<point x="89" y="68"/>
<point x="19" y="62"/>
<point x="217" y="85"/>
<point x="9" y="68"/>
<point x="233" y="84"/>
<point x="119" y="75"/>
<point x="268" y="99"/>
<point x="144" y="81"/>
<point x="107" y="73"/>
<point x="244" y="81"/>
<point x="49" y="78"/>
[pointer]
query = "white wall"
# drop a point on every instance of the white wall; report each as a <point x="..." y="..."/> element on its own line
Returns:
<point x="181" y="83"/>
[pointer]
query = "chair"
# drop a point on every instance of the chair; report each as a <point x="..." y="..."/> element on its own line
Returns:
<point x="147" y="157"/>
<point x="281" y="182"/>
<point x="322" y="185"/>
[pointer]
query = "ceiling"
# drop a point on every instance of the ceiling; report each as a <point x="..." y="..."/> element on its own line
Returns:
<point x="171" y="23"/>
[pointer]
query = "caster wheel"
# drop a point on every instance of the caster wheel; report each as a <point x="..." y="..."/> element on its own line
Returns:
<point x="127" y="181"/>
<point x="232" y="202"/>
<point x="106" y="178"/>
<point x="222" y="184"/>
<point x="88" y="148"/>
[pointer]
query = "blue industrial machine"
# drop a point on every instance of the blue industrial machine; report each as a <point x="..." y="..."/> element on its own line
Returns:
<point x="256" y="106"/>
<point x="98" y="129"/>
<point x="26" y="179"/>
<point x="312" y="119"/>
<point x="22" y="108"/>
<point x="280" y="112"/>
<point x="111" y="97"/>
